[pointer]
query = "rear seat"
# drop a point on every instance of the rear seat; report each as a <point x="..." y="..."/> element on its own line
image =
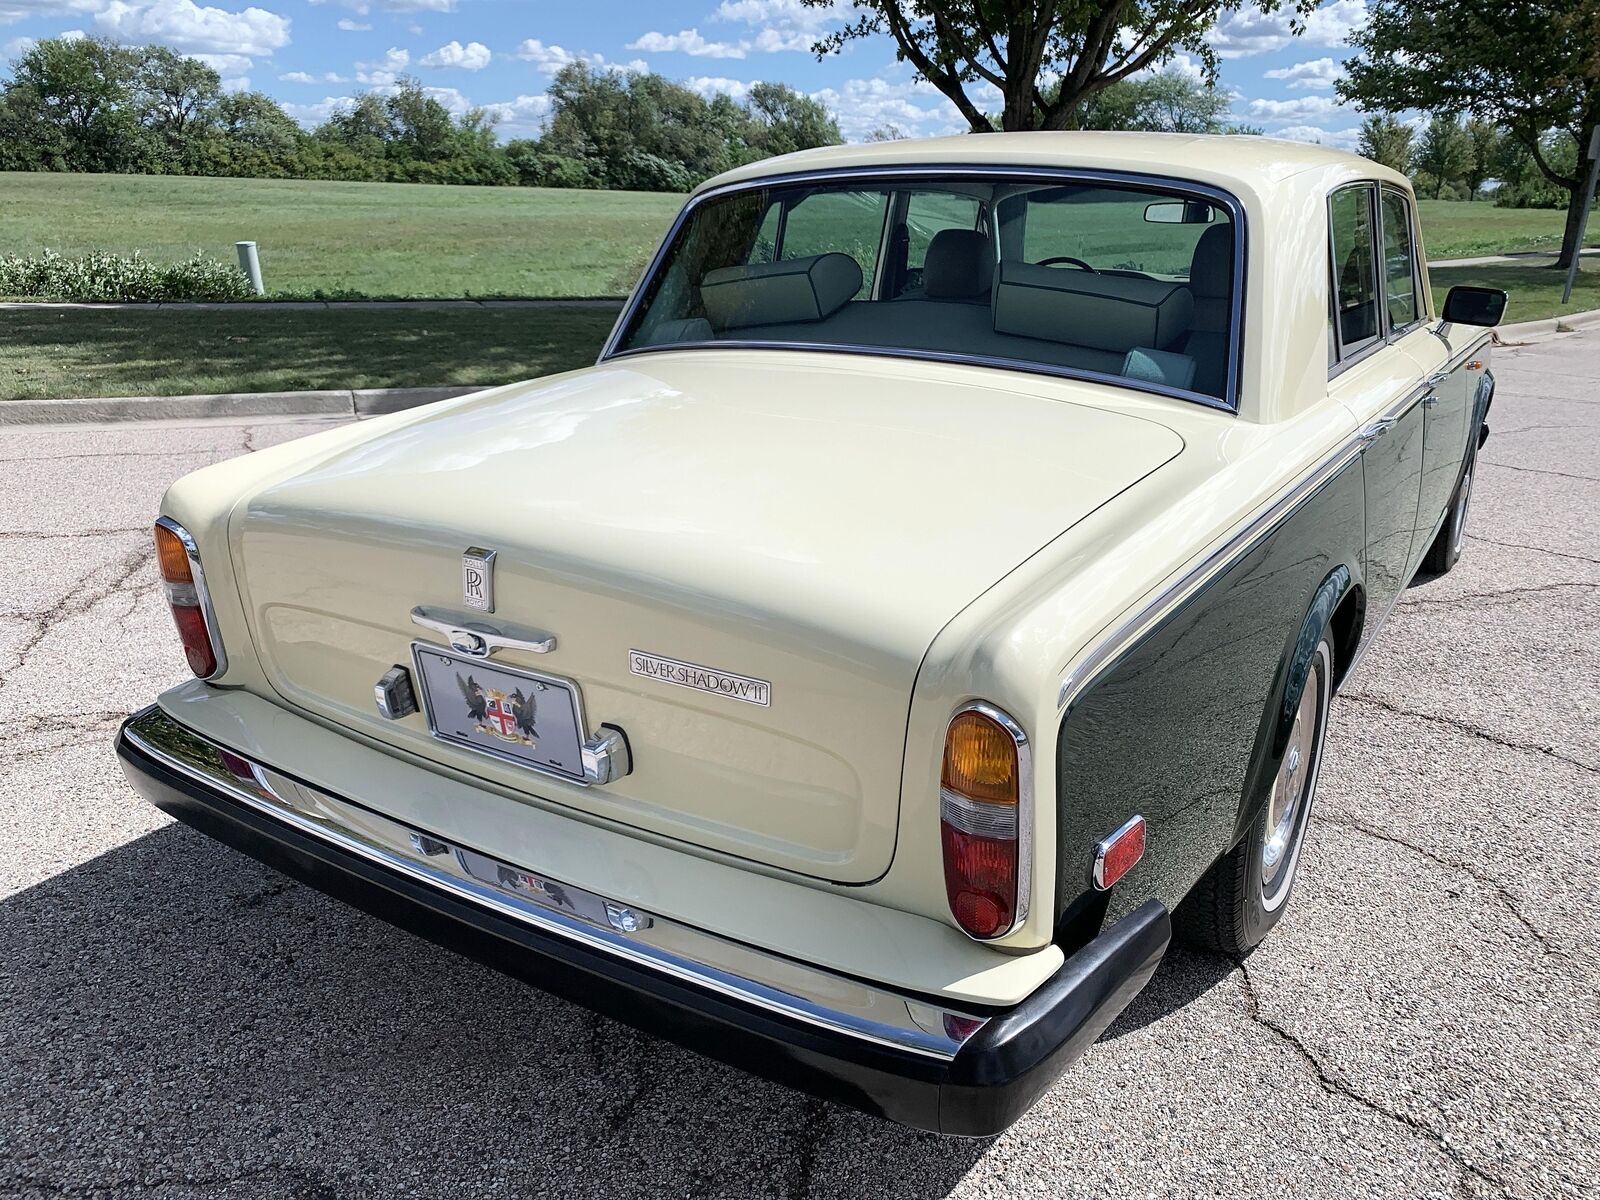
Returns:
<point x="1111" y="324"/>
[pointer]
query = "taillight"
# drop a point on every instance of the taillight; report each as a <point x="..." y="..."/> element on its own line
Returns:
<point x="185" y="583"/>
<point x="983" y="820"/>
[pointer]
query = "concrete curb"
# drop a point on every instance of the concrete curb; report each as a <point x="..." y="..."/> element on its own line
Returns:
<point x="255" y="306"/>
<point x="358" y="402"/>
<point x="1547" y="326"/>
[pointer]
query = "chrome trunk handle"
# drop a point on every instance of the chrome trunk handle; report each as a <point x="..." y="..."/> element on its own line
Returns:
<point x="477" y="639"/>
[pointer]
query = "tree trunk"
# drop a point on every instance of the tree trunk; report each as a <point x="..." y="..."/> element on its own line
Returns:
<point x="1572" y="233"/>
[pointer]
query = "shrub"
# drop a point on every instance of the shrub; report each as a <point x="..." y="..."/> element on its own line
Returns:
<point x="100" y="277"/>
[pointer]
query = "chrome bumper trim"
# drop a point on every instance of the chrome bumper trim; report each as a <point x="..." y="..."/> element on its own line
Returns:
<point x="733" y="969"/>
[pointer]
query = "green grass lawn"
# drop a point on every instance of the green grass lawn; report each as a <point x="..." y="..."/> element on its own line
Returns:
<point x="423" y="240"/>
<point x="60" y="353"/>
<point x="1535" y="290"/>
<point x="372" y="239"/>
<point x="1459" y="229"/>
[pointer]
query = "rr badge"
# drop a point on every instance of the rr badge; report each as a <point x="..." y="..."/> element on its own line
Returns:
<point x="477" y="579"/>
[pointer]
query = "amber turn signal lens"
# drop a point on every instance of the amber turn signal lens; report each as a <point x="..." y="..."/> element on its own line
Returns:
<point x="980" y="760"/>
<point x="172" y="556"/>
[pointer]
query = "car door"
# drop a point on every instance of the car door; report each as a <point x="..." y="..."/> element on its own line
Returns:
<point x="1378" y="382"/>
<point x="1446" y="397"/>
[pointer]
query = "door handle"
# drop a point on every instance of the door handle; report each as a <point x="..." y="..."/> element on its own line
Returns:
<point x="1438" y="377"/>
<point x="1431" y="400"/>
<point x="1374" y="431"/>
<point x="478" y="639"/>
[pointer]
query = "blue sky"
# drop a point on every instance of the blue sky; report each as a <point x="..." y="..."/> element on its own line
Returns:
<point x="500" y="54"/>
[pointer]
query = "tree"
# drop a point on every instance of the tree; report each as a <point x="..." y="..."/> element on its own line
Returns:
<point x="1166" y="102"/>
<point x="1530" y="69"/>
<point x="1019" y="45"/>
<point x="887" y="132"/>
<point x="783" y="120"/>
<point x="1442" y="155"/>
<point x="69" y="98"/>
<point x="1483" y="152"/>
<point x="177" y="100"/>
<point x="1387" y="141"/>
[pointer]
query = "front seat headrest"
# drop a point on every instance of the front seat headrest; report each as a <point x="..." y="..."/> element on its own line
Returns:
<point x="1211" y="270"/>
<point x="958" y="266"/>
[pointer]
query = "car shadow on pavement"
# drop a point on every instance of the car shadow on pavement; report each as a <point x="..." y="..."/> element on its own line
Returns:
<point x="1183" y="977"/>
<point x="178" y="1019"/>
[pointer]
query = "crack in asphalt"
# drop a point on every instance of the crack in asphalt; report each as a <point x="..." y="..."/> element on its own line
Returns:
<point x="310" y="1187"/>
<point x="1335" y="1085"/>
<point x="41" y="535"/>
<point x="35" y="725"/>
<point x="39" y="458"/>
<point x="1509" y="902"/>
<point x="1470" y="599"/>
<point x="1469" y="730"/>
<point x="1474" y="537"/>
<point x="1489" y="462"/>
<point x="815" y="1117"/>
<point x="75" y="603"/>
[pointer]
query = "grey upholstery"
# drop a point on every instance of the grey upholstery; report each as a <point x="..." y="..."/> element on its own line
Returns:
<point x="1211" y="284"/>
<point x="1104" y="312"/>
<point x="1159" y="366"/>
<point x="796" y="289"/>
<point x="959" y="266"/>
<point x="684" y="329"/>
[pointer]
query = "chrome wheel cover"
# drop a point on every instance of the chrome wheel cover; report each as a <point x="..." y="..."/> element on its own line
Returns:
<point x="1294" y="788"/>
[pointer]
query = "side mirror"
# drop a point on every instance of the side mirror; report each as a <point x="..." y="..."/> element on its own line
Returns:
<point x="1180" y="212"/>
<point x="1474" y="306"/>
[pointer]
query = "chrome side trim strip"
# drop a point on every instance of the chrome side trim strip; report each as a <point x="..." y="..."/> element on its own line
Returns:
<point x="775" y="984"/>
<point x="1239" y="542"/>
<point x="198" y="573"/>
<point x="1244" y="538"/>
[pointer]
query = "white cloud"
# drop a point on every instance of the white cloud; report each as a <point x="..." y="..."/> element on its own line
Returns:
<point x="362" y="7"/>
<point x="1178" y="64"/>
<point x="1297" y="109"/>
<point x="548" y="60"/>
<point x="17" y="47"/>
<point x="1318" y="73"/>
<point x="718" y="85"/>
<point x="304" y="77"/>
<point x="523" y="117"/>
<point x="312" y="115"/>
<point x="188" y="26"/>
<point x="1251" y="31"/>
<point x="381" y="74"/>
<point x="349" y="26"/>
<point x="225" y="64"/>
<point x="17" y="10"/>
<point x="689" y="42"/>
<point x="1339" y="139"/>
<point x="236" y="83"/>
<point x="474" y="56"/>
<point x="862" y="105"/>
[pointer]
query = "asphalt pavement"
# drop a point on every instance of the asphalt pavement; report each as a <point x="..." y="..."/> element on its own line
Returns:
<point x="177" y="1021"/>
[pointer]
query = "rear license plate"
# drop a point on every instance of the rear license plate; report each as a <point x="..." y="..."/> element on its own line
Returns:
<point x="524" y="717"/>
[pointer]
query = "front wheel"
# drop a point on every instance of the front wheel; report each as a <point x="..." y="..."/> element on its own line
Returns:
<point x="1245" y="893"/>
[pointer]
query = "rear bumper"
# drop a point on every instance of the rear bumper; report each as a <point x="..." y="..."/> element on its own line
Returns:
<point x="916" y="1060"/>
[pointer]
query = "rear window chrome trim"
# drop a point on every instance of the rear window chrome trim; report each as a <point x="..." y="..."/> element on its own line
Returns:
<point x="1229" y="402"/>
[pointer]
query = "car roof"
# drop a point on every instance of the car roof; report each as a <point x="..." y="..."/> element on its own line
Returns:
<point x="1235" y="162"/>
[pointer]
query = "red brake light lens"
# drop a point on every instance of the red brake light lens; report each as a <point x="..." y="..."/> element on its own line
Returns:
<point x="980" y="793"/>
<point x="179" y="562"/>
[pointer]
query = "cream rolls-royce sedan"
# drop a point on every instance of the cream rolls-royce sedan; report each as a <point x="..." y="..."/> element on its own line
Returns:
<point x="927" y="607"/>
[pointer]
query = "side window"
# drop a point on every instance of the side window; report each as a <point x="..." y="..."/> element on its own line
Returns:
<point x="834" y="221"/>
<point x="1355" y="279"/>
<point x="765" y="247"/>
<point x="1399" y="261"/>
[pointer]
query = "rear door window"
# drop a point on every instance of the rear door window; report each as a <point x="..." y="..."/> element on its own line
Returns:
<point x="1399" y="261"/>
<point x="844" y="222"/>
<point x="1355" y="279"/>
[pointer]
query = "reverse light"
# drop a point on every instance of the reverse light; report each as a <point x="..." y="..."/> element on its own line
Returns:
<point x="983" y="798"/>
<point x="179" y="560"/>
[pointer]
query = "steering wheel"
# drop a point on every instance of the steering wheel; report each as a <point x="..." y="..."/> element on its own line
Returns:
<point x="1068" y="260"/>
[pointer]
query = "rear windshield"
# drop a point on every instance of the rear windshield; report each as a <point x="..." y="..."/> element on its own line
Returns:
<point x="1129" y="282"/>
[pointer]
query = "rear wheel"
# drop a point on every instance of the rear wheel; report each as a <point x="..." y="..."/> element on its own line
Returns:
<point x="1446" y="549"/>
<point x="1246" y="892"/>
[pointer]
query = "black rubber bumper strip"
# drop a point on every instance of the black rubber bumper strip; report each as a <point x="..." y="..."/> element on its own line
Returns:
<point x="993" y="1079"/>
